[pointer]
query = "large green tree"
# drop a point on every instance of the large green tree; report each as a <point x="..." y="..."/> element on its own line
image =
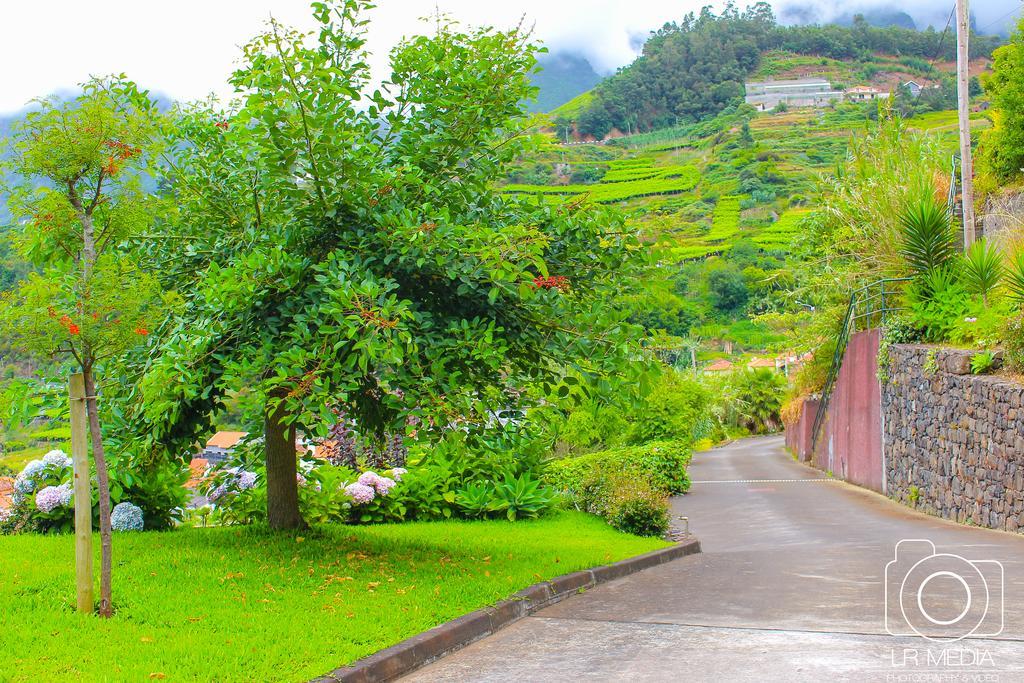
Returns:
<point x="77" y="197"/>
<point x="348" y="249"/>
<point x="1002" y="148"/>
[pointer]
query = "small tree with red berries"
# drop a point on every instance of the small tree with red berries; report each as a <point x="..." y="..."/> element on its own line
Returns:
<point x="76" y="193"/>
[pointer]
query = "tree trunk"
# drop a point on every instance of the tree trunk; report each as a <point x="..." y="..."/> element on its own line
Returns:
<point x="103" y="484"/>
<point x="282" y="486"/>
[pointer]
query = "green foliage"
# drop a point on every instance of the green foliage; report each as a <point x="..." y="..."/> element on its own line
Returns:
<point x="662" y="462"/>
<point x="982" y="362"/>
<point x="158" y="488"/>
<point x="982" y="269"/>
<point x="901" y="329"/>
<point x="1014" y="278"/>
<point x="1013" y="343"/>
<point x="938" y="302"/>
<point x="674" y="410"/>
<point x="521" y="498"/>
<point x="396" y="281"/>
<point x="668" y="181"/>
<point x="928" y="242"/>
<point x="394" y="580"/>
<point x="1002" y="147"/>
<point x="461" y="476"/>
<point x="633" y="506"/>
<point x="755" y="400"/>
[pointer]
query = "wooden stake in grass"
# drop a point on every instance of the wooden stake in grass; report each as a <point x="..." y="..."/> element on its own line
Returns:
<point x="83" y="494"/>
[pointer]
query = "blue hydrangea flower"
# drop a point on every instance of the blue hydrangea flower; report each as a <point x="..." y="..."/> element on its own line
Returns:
<point x="126" y="517"/>
<point x="57" y="458"/>
<point x="25" y="482"/>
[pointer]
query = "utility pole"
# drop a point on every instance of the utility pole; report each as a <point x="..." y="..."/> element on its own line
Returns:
<point x="963" y="29"/>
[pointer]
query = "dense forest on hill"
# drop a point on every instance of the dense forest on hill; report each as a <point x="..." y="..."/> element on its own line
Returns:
<point x="695" y="68"/>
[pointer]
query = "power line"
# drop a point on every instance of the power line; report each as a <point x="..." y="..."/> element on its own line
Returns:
<point x="993" y="23"/>
<point x="938" y="45"/>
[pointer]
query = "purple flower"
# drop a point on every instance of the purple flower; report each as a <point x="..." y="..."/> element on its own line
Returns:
<point x="368" y="479"/>
<point x="384" y="485"/>
<point x="397" y="473"/>
<point x="301" y="480"/>
<point x="246" y="480"/>
<point x="53" y="497"/>
<point x="360" y="493"/>
<point x="5" y="514"/>
<point x="218" y="493"/>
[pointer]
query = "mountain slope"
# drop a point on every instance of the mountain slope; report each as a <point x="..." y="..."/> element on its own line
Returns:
<point x="562" y="76"/>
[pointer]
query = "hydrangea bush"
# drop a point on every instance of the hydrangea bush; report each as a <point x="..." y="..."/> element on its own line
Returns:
<point x="126" y="517"/>
<point x="449" y="481"/>
<point x="42" y="500"/>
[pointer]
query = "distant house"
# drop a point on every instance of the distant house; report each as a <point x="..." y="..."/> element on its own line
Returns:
<point x="196" y="472"/>
<point x="220" y="446"/>
<point x="720" y="365"/>
<point x="864" y="93"/>
<point x="805" y="92"/>
<point x="763" y="363"/>
<point x="913" y="87"/>
<point x="6" y="491"/>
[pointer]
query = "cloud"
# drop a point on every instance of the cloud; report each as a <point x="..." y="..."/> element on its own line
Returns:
<point x="188" y="48"/>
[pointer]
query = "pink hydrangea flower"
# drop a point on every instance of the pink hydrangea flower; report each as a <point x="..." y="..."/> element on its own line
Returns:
<point x="360" y="493"/>
<point x="368" y="479"/>
<point x="53" y="497"/>
<point x="397" y="473"/>
<point x="384" y="485"/>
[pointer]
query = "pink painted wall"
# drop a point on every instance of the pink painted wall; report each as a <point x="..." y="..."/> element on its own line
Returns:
<point x="850" y="445"/>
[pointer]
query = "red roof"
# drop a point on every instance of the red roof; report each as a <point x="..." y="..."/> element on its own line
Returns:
<point x="6" y="491"/>
<point x="225" y="440"/>
<point x="761" y="363"/>
<point x="197" y="472"/>
<point x="720" y="365"/>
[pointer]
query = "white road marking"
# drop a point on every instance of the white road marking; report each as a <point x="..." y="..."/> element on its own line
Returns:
<point x="760" y="481"/>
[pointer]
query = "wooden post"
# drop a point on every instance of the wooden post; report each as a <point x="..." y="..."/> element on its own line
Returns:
<point x="83" y="494"/>
<point x="963" y="30"/>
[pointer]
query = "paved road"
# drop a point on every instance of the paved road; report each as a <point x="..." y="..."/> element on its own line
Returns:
<point x="790" y="587"/>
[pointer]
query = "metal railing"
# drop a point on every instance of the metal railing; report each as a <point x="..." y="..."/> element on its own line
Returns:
<point x="868" y="308"/>
<point x="954" y="165"/>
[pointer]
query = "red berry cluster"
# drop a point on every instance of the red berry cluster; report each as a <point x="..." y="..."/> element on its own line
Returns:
<point x="223" y="125"/>
<point x="554" y="282"/>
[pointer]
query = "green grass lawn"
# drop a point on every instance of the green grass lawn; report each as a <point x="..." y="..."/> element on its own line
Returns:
<point x="246" y="604"/>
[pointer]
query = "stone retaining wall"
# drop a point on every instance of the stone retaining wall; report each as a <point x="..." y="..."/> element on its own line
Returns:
<point x="953" y="442"/>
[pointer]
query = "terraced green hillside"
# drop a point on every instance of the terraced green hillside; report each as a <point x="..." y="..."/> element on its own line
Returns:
<point x="720" y="202"/>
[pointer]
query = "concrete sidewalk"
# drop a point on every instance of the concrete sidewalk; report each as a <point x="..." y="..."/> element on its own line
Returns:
<point x="790" y="587"/>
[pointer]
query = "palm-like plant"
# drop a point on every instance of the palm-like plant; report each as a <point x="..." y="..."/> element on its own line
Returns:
<point x="928" y="241"/>
<point x="1015" y="278"/>
<point x="982" y="269"/>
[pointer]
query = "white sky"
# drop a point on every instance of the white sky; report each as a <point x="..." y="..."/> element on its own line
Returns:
<point x="186" y="48"/>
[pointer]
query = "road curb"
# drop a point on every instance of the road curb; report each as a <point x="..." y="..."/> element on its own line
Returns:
<point x="429" y="646"/>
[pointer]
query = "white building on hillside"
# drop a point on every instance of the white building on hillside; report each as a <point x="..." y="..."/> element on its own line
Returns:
<point x="805" y="92"/>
